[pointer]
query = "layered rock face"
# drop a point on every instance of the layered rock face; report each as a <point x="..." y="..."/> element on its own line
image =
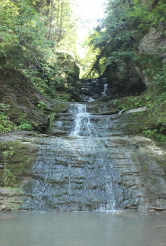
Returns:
<point x="94" y="161"/>
<point x="99" y="164"/>
<point x="154" y="42"/>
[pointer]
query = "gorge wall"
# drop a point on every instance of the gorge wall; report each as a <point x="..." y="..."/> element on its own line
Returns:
<point x="150" y="59"/>
<point x="121" y="122"/>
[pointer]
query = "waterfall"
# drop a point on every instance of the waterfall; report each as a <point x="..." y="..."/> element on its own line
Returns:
<point x="73" y="172"/>
<point x="82" y="124"/>
<point x="105" y="89"/>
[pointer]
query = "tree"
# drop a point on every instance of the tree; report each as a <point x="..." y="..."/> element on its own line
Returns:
<point x="125" y="24"/>
<point x="33" y="34"/>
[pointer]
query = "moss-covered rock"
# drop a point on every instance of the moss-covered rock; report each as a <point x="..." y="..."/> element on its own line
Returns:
<point x="22" y="102"/>
<point x="10" y="198"/>
<point x="150" y="119"/>
<point x="16" y="161"/>
<point x="17" y="155"/>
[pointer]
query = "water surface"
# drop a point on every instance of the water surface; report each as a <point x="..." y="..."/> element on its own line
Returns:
<point x="82" y="229"/>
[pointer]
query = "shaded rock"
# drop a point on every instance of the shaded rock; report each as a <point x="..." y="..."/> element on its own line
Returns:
<point x="157" y="209"/>
<point x="152" y="45"/>
<point x="154" y="42"/>
<point x="123" y="77"/>
<point x="93" y="89"/>
<point x="22" y="101"/>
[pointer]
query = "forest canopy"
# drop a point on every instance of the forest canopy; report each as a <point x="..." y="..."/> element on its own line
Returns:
<point x="119" y="33"/>
<point x="38" y="38"/>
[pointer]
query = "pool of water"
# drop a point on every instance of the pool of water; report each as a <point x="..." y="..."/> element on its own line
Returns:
<point x="82" y="229"/>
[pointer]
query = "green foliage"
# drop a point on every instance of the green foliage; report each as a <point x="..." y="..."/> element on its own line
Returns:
<point x="155" y="134"/>
<point x="129" y="103"/>
<point x="156" y="71"/>
<point x="9" y="179"/>
<point x="42" y="105"/>
<point x="32" y="33"/>
<point x="153" y="121"/>
<point x="157" y="106"/>
<point x="2" y="106"/>
<point x="117" y="36"/>
<point x="25" y="126"/>
<point x="5" y="124"/>
<point x="8" y="153"/>
<point x="148" y="16"/>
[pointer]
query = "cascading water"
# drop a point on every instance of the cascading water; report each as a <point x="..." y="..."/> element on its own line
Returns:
<point x="82" y="124"/>
<point x="105" y="89"/>
<point x="75" y="172"/>
<point x="93" y="89"/>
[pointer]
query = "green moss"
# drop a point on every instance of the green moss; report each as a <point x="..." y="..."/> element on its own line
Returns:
<point x="144" y="168"/>
<point x="130" y="102"/>
<point x="153" y="67"/>
<point x="17" y="159"/>
<point x="8" y="179"/>
<point x="60" y="107"/>
<point x="152" y="122"/>
<point x="6" y="124"/>
<point x="22" y="107"/>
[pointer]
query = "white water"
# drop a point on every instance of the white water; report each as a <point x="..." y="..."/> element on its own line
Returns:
<point x="82" y="123"/>
<point x="105" y="89"/>
<point x="75" y="172"/>
<point x="84" y="127"/>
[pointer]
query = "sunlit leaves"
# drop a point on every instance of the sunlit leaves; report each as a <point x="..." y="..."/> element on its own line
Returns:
<point x="125" y="24"/>
<point x="32" y="32"/>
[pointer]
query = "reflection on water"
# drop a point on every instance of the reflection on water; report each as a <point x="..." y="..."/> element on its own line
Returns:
<point x="82" y="229"/>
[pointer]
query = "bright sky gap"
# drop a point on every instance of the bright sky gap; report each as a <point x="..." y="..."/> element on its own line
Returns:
<point x="89" y="12"/>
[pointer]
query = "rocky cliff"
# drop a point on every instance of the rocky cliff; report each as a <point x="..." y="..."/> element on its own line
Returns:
<point x="22" y="103"/>
<point x="150" y="59"/>
<point x="152" y="48"/>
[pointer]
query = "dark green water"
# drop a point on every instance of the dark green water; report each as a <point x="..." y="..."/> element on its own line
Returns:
<point x="82" y="229"/>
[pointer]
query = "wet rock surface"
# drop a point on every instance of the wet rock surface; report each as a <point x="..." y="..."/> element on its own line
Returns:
<point x="93" y="89"/>
<point x="93" y="162"/>
<point x="17" y="154"/>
